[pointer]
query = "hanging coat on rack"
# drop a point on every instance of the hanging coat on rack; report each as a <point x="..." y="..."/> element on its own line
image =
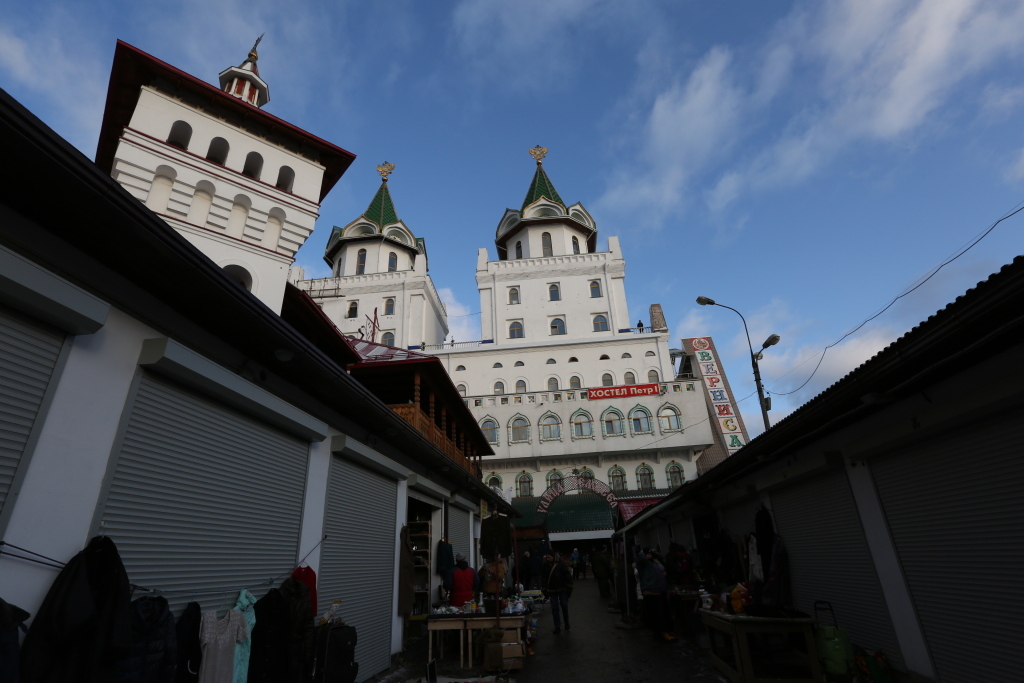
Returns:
<point x="445" y="557"/>
<point x="152" y="655"/>
<point x="245" y="604"/>
<point x="307" y="577"/>
<point x="268" y="660"/>
<point x="84" y="623"/>
<point x="406" y="574"/>
<point x="190" y="651"/>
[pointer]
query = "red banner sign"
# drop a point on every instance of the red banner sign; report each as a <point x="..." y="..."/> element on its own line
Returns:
<point x="624" y="391"/>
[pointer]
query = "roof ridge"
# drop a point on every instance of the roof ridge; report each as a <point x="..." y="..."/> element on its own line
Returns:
<point x="541" y="187"/>
<point x="382" y="209"/>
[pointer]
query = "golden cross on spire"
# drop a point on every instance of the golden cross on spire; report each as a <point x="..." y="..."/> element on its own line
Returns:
<point x="539" y="153"/>
<point x="385" y="170"/>
<point x="252" y="53"/>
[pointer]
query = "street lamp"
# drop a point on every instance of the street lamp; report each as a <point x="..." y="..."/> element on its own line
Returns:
<point x="754" y="357"/>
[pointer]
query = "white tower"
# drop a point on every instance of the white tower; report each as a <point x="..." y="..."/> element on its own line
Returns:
<point x="240" y="184"/>
<point x="380" y="289"/>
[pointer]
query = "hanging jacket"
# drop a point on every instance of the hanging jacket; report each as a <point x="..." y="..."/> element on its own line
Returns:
<point x="464" y="584"/>
<point x="12" y="620"/>
<point x="152" y="654"/>
<point x="245" y="605"/>
<point x="445" y="557"/>
<point x="300" y="629"/>
<point x="307" y="577"/>
<point x="190" y="651"/>
<point x="84" y="623"/>
<point x="269" y="657"/>
<point x="406" y="574"/>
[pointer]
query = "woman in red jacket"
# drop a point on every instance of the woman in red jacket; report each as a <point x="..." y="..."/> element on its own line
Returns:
<point x="462" y="582"/>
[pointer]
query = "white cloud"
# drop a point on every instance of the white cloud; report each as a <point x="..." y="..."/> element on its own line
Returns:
<point x="463" y="323"/>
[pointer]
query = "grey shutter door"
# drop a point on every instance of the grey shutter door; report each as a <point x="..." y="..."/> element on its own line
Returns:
<point x="459" y="533"/>
<point x="203" y="498"/>
<point x="829" y="560"/>
<point x="956" y="513"/>
<point x="28" y="356"/>
<point x="357" y="564"/>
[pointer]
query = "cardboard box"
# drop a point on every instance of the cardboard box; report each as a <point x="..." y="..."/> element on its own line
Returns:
<point x="512" y="656"/>
<point x="511" y="635"/>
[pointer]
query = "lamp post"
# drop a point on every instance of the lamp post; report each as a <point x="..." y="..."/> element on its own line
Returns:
<point x="754" y="357"/>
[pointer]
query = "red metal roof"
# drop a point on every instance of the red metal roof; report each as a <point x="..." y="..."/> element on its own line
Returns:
<point x="372" y="352"/>
<point x="133" y="68"/>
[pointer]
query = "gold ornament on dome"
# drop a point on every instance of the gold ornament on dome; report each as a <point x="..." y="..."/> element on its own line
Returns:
<point x="253" y="55"/>
<point x="385" y="170"/>
<point x="539" y="153"/>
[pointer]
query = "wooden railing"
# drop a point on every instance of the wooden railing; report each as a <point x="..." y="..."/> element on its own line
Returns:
<point x="412" y="414"/>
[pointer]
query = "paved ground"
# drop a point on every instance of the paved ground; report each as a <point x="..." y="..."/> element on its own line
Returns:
<point x="593" y="651"/>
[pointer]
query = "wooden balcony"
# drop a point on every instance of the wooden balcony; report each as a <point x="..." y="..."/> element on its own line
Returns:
<point x="412" y="414"/>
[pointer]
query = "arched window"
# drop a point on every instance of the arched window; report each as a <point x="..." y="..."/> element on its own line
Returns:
<point x="650" y="354"/>
<point x="641" y="420"/>
<point x="272" y="233"/>
<point x="392" y="262"/>
<point x="285" y="179"/>
<point x="202" y="200"/>
<point x="460" y="368"/>
<point x="645" y="477"/>
<point x="575" y="245"/>
<point x="549" y="361"/>
<point x="253" y="165"/>
<point x="550" y="427"/>
<point x="499" y="387"/>
<point x="239" y="216"/>
<point x="520" y="429"/>
<point x="515" y="330"/>
<point x="600" y="323"/>
<point x="462" y="389"/>
<point x="557" y="326"/>
<point x="595" y="289"/>
<point x="607" y="380"/>
<point x="353" y="309"/>
<point x="361" y="262"/>
<point x="490" y="429"/>
<point x="586" y="476"/>
<point x="574" y="359"/>
<point x="513" y="295"/>
<point x="674" y="473"/>
<point x="521" y="386"/>
<point x="652" y="377"/>
<point x="604" y="356"/>
<point x="524" y="485"/>
<point x="160" y="195"/>
<point x="629" y="378"/>
<point x="180" y="135"/>
<point x="389" y="306"/>
<point x="545" y="243"/>
<point x="218" y="151"/>
<point x="554" y="294"/>
<point x="494" y="482"/>
<point x="497" y="365"/>
<point x="239" y="275"/>
<point x="554" y="478"/>
<point x="582" y="425"/>
<point x="519" y="250"/>
<point x="613" y="423"/>
<point x="388" y="339"/>
<point x="519" y="364"/>
<point x="575" y="383"/>
<point x="627" y="355"/>
<point x="617" y="478"/>
<point x="552" y="384"/>
<point x="669" y="418"/>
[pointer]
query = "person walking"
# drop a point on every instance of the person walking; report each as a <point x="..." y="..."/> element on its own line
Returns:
<point x="655" y="593"/>
<point x="461" y="582"/>
<point x="601" y="562"/>
<point x="574" y="562"/>
<point x="557" y="581"/>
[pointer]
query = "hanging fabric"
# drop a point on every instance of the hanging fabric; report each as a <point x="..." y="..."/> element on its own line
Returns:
<point x="406" y="574"/>
<point x="219" y="638"/>
<point x="445" y="557"/>
<point x="307" y="576"/>
<point x="84" y="620"/>
<point x="245" y="604"/>
<point x="495" y="536"/>
<point x="300" y="628"/>
<point x="269" y="658"/>
<point x="12" y="620"/>
<point x="190" y="652"/>
<point x="151" y="657"/>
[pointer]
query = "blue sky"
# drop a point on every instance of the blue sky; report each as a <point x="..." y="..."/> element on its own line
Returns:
<point x="803" y="162"/>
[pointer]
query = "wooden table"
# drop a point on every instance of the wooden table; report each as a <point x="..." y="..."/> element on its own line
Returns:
<point x="444" y="623"/>
<point x="480" y="622"/>
<point x="743" y="667"/>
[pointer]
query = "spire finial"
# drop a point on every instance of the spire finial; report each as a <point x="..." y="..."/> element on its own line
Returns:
<point x="385" y="170"/>
<point x="539" y="153"/>
<point x="253" y="55"/>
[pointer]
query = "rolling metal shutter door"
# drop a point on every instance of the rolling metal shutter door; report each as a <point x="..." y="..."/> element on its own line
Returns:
<point x="829" y="560"/>
<point x="203" y="498"/>
<point x="28" y="356"/>
<point x="357" y="564"/>
<point x="459" y="534"/>
<point x="956" y="512"/>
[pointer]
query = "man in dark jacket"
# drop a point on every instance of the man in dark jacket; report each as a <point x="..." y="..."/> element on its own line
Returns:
<point x="556" y="578"/>
<point x="655" y="592"/>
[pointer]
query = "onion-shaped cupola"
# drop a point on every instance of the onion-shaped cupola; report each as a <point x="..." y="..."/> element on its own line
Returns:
<point x="244" y="82"/>
<point x="561" y="229"/>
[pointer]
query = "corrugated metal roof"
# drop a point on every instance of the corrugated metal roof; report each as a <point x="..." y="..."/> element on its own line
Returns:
<point x="372" y="352"/>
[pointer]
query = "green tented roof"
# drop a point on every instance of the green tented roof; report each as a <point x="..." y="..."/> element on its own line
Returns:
<point x="382" y="210"/>
<point x="571" y="512"/>
<point x="541" y="187"/>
